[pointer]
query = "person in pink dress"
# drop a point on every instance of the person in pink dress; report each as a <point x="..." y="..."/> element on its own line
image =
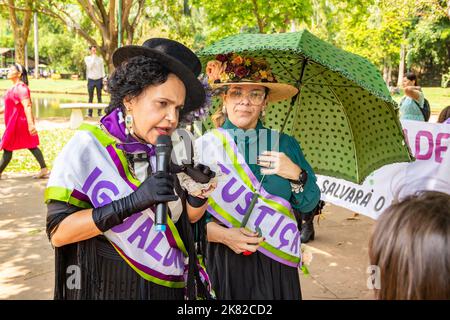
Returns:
<point x="20" y="130"/>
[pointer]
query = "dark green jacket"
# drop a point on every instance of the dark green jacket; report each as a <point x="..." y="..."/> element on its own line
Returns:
<point x="304" y="201"/>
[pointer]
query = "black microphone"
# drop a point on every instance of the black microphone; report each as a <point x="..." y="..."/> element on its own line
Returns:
<point x="163" y="153"/>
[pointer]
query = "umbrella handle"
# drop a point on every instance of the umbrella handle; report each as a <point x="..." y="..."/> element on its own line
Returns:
<point x="249" y="209"/>
<point x="247" y="216"/>
<point x="246" y="252"/>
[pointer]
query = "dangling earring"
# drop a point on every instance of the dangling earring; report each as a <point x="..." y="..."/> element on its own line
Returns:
<point x="224" y="110"/>
<point x="129" y="124"/>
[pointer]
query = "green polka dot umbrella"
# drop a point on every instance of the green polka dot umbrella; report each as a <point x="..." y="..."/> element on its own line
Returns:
<point x="343" y="117"/>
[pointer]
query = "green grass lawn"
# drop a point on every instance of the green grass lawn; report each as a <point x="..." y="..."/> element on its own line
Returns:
<point x="51" y="144"/>
<point x="439" y="98"/>
<point x="56" y="86"/>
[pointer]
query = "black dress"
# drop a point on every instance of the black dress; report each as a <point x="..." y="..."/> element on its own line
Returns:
<point x="258" y="277"/>
<point x="233" y="275"/>
<point x="104" y="275"/>
<point x="92" y="269"/>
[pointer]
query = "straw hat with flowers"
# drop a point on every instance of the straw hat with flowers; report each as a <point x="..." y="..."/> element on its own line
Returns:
<point x="232" y="69"/>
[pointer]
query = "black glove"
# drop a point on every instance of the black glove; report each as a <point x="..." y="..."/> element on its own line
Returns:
<point x="155" y="189"/>
<point x="201" y="174"/>
<point x="196" y="202"/>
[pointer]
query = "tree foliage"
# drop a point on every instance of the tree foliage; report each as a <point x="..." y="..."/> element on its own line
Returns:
<point x="227" y="17"/>
<point x="376" y="29"/>
<point x="429" y="44"/>
<point x="64" y="51"/>
<point x="20" y="15"/>
<point x="103" y="30"/>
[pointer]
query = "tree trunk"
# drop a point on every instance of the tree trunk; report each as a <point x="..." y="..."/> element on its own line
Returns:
<point x="287" y="23"/>
<point x="108" y="50"/>
<point x="186" y="8"/>
<point x="387" y="71"/>
<point x="26" y="56"/>
<point x="401" y="66"/>
<point x="19" y="49"/>
<point x="390" y="73"/>
<point x="36" y="47"/>
<point x="447" y="11"/>
<point x="21" y="29"/>
<point x="293" y="26"/>
<point x="259" y="20"/>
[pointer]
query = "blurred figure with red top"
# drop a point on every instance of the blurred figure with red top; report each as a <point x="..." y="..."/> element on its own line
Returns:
<point x="20" y="132"/>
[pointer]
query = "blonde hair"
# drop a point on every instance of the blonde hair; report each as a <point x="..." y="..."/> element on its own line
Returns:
<point x="218" y="117"/>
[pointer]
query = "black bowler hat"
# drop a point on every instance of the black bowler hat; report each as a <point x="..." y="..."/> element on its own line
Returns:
<point x="177" y="58"/>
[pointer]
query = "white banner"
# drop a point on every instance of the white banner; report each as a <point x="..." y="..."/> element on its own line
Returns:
<point x="430" y="145"/>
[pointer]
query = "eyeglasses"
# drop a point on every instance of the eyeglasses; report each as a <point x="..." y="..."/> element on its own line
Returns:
<point x="255" y="97"/>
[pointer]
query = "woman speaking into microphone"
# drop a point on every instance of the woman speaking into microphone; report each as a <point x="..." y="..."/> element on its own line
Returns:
<point x="103" y="192"/>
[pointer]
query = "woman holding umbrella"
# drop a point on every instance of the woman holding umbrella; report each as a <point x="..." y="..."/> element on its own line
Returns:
<point x="260" y="168"/>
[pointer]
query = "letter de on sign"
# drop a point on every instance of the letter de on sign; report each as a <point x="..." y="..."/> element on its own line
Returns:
<point x="429" y="144"/>
<point x="441" y="146"/>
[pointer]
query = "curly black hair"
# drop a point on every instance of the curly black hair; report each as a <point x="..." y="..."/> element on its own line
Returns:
<point x="132" y="77"/>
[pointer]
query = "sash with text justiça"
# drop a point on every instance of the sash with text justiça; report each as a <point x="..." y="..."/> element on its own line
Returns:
<point x="229" y="201"/>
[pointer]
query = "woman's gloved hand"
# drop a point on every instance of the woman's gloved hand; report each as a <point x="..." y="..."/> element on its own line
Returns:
<point x="155" y="189"/>
<point x="199" y="173"/>
<point x="197" y="189"/>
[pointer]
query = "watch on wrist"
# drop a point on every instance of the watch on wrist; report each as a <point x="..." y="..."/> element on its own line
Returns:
<point x="297" y="185"/>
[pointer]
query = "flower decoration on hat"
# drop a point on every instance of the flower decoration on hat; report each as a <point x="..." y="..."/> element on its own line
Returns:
<point x="232" y="67"/>
<point x="202" y="112"/>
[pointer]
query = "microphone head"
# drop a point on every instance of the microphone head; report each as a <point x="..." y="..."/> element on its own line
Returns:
<point x="163" y="142"/>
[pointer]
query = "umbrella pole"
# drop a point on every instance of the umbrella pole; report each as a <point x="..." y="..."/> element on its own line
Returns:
<point x="294" y="98"/>
<point x="255" y="195"/>
<point x="248" y="212"/>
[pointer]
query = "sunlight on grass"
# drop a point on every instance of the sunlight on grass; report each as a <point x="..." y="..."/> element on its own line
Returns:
<point x="51" y="143"/>
<point x="61" y="86"/>
<point x="439" y="98"/>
